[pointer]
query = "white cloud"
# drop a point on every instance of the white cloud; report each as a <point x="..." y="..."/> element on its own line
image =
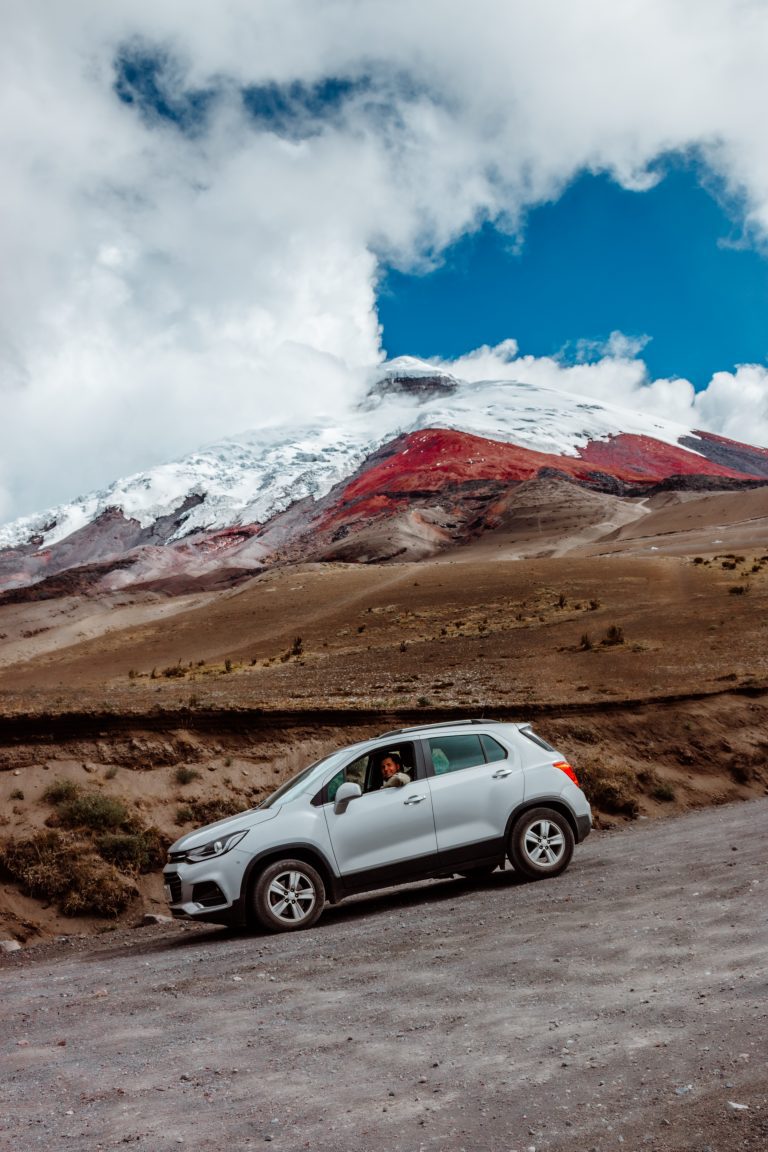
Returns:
<point x="161" y="288"/>
<point x="734" y="404"/>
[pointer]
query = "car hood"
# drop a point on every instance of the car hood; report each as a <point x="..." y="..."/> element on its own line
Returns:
<point x="223" y="828"/>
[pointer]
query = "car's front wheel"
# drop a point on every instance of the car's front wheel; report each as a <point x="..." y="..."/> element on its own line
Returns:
<point x="541" y="844"/>
<point x="288" y="895"/>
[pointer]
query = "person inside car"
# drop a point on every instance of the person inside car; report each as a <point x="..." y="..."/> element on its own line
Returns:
<point x="392" y="773"/>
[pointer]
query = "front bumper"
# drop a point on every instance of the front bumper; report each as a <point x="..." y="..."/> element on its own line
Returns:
<point x="202" y="892"/>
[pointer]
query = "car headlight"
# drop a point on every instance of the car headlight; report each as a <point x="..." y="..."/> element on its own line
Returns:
<point x="215" y="847"/>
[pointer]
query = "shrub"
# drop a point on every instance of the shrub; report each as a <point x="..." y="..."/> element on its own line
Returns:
<point x="111" y="772"/>
<point x="663" y="792"/>
<point x="185" y="775"/>
<point x="610" y="791"/>
<point x="80" y="808"/>
<point x="206" y="811"/>
<point x="17" y="794"/>
<point x="614" y="635"/>
<point x="132" y="851"/>
<point x="60" y="790"/>
<point x="424" y="702"/>
<point x="56" y="867"/>
<point x="174" y="670"/>
<point x="586" y="642"/>
<point x="739" y="589"/>
<point x="740" y="772"/>
<point x="297" y="648"/>
<point x="227" y="665"/>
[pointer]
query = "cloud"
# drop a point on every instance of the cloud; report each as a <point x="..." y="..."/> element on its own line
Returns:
<point x="734" y="404"/>
<point x="197" y="197"/>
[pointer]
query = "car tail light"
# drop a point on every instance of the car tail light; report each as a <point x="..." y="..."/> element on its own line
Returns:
<point x="564" y="766"/>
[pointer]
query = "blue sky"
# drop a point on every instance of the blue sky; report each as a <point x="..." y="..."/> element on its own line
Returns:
<point x="211" y="213"/>
<point x="668" y="264"/>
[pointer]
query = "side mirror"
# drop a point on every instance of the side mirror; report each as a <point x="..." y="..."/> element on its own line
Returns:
<point x="345" y="793"/>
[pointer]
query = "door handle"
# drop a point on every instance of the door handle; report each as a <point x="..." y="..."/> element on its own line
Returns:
<point x="502" y="772"/>
<point x="414" y="800"/>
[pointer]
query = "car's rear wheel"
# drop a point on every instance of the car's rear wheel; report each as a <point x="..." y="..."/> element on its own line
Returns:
<point x="288" y="895"/>
<point x="541" y="844"/>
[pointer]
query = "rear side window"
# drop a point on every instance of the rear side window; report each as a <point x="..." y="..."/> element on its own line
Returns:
<point x="493" y="750"/>
<point x="531" y="735"/>
<point x="452" y="753"/>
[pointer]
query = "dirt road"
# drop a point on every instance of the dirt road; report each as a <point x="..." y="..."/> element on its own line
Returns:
<point x="623" y="1005"/>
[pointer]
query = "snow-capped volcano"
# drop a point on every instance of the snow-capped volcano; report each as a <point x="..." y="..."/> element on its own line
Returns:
<point x="500" y="431"/>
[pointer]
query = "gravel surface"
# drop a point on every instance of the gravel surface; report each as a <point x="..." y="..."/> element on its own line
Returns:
<point x="622" y="1005"/>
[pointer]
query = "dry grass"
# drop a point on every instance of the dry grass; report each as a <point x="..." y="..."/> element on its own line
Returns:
<point x="610" y="790"/>
<point x="57" y="867"/>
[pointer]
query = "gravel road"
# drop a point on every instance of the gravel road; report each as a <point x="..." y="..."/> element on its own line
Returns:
<point x="622" y="1005"/>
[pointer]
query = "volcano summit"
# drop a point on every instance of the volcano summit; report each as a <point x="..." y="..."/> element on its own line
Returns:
<point x="425" y="462"/>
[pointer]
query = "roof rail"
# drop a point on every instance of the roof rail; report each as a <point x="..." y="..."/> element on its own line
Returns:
<point x="437" y="724"/>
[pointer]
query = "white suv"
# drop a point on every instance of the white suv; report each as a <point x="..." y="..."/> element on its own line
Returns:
<point x="465" y="796"/>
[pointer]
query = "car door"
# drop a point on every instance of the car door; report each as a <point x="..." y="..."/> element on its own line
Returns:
<point x="476" y="782"/>
<point x="384" y="835"/>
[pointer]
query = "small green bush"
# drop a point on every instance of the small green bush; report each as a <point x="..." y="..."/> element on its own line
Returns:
<point x="665" y="793"/>
<point x="60" y="790"/>
<point x="17" y="794"/>
<point x="185" y="775"/>
<point x="132" y="852"/>
<point x="93" y="810"/>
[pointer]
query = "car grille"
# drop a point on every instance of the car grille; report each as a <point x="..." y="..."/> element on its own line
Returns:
<point x="208" y="894"/>
<point x="174" y="883"/>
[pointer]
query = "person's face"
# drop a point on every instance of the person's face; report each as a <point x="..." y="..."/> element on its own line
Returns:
<point x="388" y="767"/>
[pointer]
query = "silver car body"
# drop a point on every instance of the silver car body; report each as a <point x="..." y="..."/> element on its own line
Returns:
<point x="448" y="819"/>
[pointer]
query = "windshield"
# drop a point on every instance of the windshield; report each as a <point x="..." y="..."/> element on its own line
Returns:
<point x="305" y="779"/>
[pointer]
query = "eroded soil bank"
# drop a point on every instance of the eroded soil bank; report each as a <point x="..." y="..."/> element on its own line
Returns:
<point x="174" y="772"/>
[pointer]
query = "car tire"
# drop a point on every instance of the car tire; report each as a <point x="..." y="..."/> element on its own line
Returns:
<point x="541" y="844"/>
<point x="288" y="895"/>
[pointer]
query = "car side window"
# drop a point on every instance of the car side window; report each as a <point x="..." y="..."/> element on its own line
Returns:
<point x="452" y="753"/>
<point x="493" y="750"/>
<point x="354" y="773"/>
<point x="366" y="770"/>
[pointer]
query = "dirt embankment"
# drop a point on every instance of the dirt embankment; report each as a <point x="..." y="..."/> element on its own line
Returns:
<point x="113" y="793"/>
